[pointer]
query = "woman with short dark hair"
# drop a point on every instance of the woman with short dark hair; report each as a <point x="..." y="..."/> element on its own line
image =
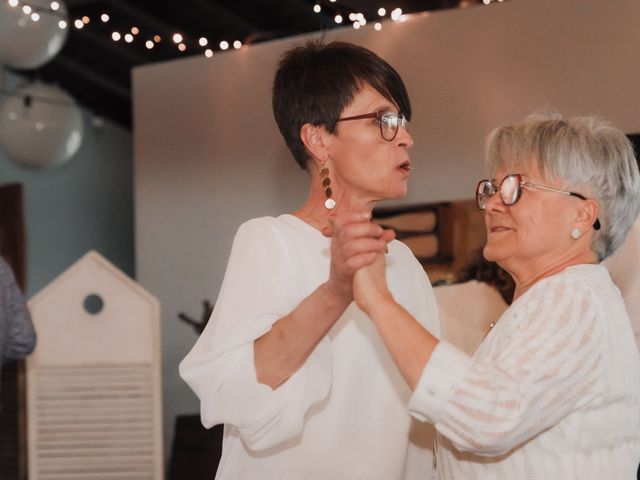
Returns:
<point x="295" y="371"/>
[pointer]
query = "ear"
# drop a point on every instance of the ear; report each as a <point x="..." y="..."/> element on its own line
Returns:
<point x="587" y="215"/>
<point x="314" y="139"/>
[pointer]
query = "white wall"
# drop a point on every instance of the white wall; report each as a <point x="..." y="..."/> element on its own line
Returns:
<point x="86" y="204"/>
<point x="208" y="154"/>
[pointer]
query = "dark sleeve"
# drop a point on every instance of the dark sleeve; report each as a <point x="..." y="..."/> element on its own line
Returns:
<point x="21" y="337"/>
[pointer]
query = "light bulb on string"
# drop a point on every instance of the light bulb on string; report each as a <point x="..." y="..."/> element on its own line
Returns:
<point x="182" y="47"/>
<point x="149" y="44"/>
<point x="203" y="41"/>
<point x="224" y="45"/>
<point x="55" y="6"/>
<point x="78" y="24"/>
<point x="382" y="12"/>
<point x="35" y="16"/>
<point x="13" y="3"/>
<point x="338" y="18"/>
<point x="377" y="26"/>
<point x="26" y="9"/>
<point x="104" y="18"/>
<point x="317" y="8"/>
<point x="128" y="38"/>
<point x="115" y="36"/>
<point x="177" y="38"/>
<point x="208" y="53"/>
<point x="237" y="44"/>
<point x="135" y="30"/>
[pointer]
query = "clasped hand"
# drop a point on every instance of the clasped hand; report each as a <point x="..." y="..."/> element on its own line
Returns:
<point x="357" y="258"/>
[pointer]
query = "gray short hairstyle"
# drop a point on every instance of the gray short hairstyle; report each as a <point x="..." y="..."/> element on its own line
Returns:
<point x="589" y="154"/>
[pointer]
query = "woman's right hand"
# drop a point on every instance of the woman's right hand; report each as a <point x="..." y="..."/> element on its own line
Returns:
<point x="370" y="285"/>
<point x="355" y="243"/>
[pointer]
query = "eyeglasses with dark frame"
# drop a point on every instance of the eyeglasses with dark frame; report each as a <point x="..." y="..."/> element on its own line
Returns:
<point x="511" y="190"/>
<point x="389" y="122"/>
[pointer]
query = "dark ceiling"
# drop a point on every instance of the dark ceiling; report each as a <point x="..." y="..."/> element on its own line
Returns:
<point x="96" y="70"/>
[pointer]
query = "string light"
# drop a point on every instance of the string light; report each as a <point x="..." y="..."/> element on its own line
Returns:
<point x="104" y="17"/>
<point x="208" y="53"/>
<point x="55" y="6"/>
<point x="78" y="24"/>
<point x="62" y="24"/>
<point x="13" y="3"/>
<point x="182" y="47"/>
<point x="382" y="12"/>
<point x="224" y="45"/>
<point x="396" y="14"/>
<point x="177" y="38"/>
<point x="35" y="16"/>
<point x="317" y="8"/>
<point x="135" y="30"/>
<point x="149" y="44"/>
<point x="157" y="38"/>
<point x="115" y="36"/>
<point x="377" y="26"/>
<point x="338" y="19"/>
<point x="128" y="38"/>
<point x="26" y="9"/>
<point x="203" y="42"/>
<point x="237" y="44"/>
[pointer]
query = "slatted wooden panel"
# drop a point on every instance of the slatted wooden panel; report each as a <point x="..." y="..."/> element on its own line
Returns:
<point x="93" y="392"/>
<point x="93" y="422"/>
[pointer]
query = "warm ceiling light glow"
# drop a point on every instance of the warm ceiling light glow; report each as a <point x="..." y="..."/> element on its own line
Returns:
<point x="353" y="17"/>
<point x="62" y="24"/>
<point x="338" y="19"/>
<point x="35" y="16"/>
<point x="237" y="44"/>
<point x="149" y="44"/>
<point x="78" y="24"/>
<point x="104" y="17"/>
<point x="157" y="38"/>
<point x="224" y="45"/>
<point x="135" y="30"/>
<point x="13" y="3"/>
<point x="182" y="47"/>
<point x="115" y="36"/>
<point x="177" y="38"/>
<point x="317" y="8"/>
<point x="382" y="12"/>
<point x="55" y="6"/>
<point x="128" y="38"/>
<point x="377" y="26"/>
<point x="85" y="20"/>
<point x="396" y="14"/>
<point x="208" y="53"/>
<point x="26" y="9"/>
<point x="203" y="42"/>
<point x="356" y="25"/>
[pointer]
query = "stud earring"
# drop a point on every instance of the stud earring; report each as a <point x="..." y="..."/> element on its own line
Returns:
<point x="329" y="203"/>
<point x="576" y="233"/>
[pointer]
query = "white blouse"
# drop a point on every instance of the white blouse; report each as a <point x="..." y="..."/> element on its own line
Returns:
<point x="553" y="392"/>
<point x="343" y="414"/>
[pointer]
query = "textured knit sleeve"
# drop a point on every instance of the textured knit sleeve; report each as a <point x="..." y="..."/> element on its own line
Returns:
<point x="258" y="289"/>
<point x="545" y="366"/>
<point x="20" y="335"/>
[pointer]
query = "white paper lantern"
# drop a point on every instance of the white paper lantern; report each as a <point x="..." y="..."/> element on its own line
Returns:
<point x="30" y="32"/>
<point x="40" y="126"/>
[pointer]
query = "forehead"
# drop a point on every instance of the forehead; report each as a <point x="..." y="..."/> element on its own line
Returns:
<point x="526" y="167"/>
<point x="368" y="99"/>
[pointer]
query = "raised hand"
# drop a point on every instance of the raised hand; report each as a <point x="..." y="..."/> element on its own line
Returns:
<point x="355" y="243"/>
<point x="370" y="284"/>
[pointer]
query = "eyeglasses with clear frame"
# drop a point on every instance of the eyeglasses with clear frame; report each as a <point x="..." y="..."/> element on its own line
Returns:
<point x="510" y="189"/>
<point x="389" y="122"/>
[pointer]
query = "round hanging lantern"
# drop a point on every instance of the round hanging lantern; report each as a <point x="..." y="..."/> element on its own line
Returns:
<point x="40" y="126"/>
<point x="31" y="33"/>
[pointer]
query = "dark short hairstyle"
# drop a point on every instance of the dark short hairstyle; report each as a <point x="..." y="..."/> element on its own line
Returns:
<point x="316" y="81"/>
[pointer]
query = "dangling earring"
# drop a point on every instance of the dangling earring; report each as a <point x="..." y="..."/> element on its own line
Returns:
<point x="329" y="203"/>
<point x="576" y="233"/>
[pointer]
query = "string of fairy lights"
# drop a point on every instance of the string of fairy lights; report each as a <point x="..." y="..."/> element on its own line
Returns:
<point x="177" y="40"/>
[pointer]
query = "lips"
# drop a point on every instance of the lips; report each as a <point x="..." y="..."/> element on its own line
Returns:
<point x="499" y="228"/>
<point x="405" y="166"/>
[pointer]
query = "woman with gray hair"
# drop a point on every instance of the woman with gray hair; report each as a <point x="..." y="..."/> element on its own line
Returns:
<point x="553" y="390"/>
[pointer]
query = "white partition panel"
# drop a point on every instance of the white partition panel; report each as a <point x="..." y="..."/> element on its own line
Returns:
<point x="93" y="382"/>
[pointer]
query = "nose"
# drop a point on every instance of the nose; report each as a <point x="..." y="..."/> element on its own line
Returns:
<point x="403" y="138"/>
<point x="494" y="204"/>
